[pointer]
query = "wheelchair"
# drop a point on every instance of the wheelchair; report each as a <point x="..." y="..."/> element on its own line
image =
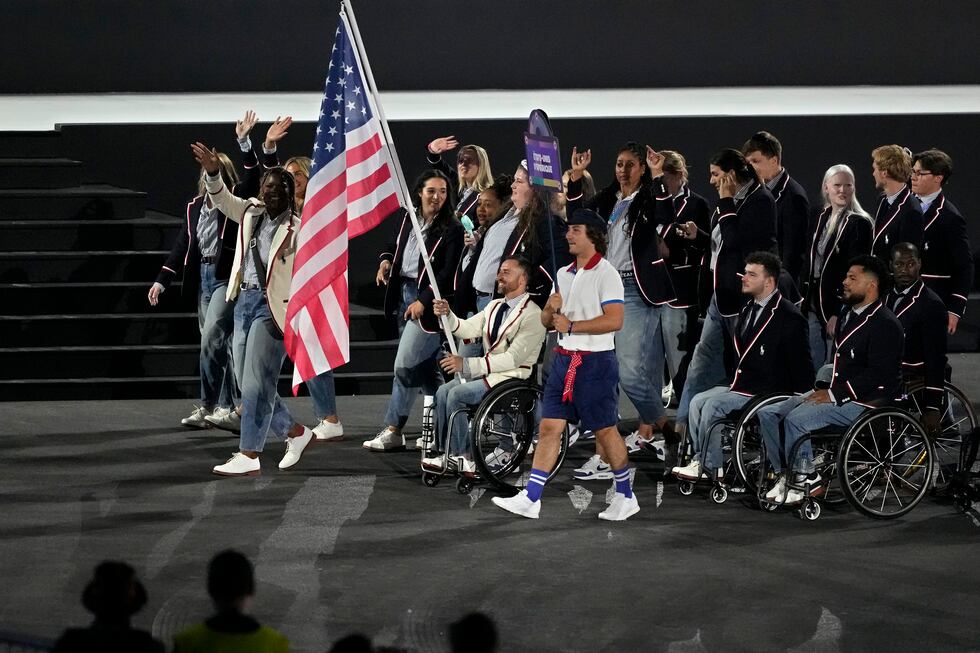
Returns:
<point x="884" y="463"/>
<point x="740" y="448"/>
<point x="503" y="431"/>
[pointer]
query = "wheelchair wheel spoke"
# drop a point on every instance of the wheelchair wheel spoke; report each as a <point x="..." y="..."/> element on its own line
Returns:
<point x="914" y="487"/>
<point x="876" y="458"/>
<point x="870" y="485"/>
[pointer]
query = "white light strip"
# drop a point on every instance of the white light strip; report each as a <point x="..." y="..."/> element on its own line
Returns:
<point x="42" y="112"/>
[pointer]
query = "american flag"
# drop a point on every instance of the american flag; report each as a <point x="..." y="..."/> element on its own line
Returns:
<point x="351" y="190"/>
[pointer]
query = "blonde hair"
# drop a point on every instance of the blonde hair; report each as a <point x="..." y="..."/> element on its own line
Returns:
<point x="855" y="206"/>
<point x="228" y="173"/>
<point x="675" y="162"/>
<point x="894" y="160"/>
<point x="304" y="163"/>
<point x="484" y="177"/>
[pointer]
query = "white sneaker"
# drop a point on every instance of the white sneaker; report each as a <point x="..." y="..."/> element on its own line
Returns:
<point x="385" y="440"/>
<point x="464" y="465"/>
<point x="226" y="419"/>
<point x="593" y="470"/>
<point x="621" y="508"/>
<point x="239" y="465"/>
<point x="635" y="442"/>
<point x="519" y="504"/>
<point x="573" y="434"/>
<point x="197" y="419"/>
<point x="778" y="492"/>
<point x="295" y="447"/>
<point x="435" y="463"/>
<point x="794" y="496"/>
<point x="422" y="443"/>
<point x="329" y="431"/>
<point x="498" y="458"/>
<point x="690" y="473"/>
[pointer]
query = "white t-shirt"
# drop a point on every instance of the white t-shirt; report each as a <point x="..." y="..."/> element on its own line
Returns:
<point x="584" y="292"/>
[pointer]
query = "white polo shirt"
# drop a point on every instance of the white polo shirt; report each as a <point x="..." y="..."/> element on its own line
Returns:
<point x="584" y="292"/>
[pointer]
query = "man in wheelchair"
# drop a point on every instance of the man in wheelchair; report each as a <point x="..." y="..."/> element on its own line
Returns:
<point x="924" y="319"/>
<point x="772" y="356"/>
<point x="512" y="335"/>
<point x="867" y="372"/>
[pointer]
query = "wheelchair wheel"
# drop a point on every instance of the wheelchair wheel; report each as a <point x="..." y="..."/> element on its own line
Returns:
<point x="430" y="479"/>
<point x="685" y="487"/>
<point x="957" y="422"/>
<point x="719" y="494"/>
<point x="810" y="510"/>
<point x="464" y="485"/>
<point x="747" y="449"/>
<point x="504" y="427"/>
<point x="885" y="463"/>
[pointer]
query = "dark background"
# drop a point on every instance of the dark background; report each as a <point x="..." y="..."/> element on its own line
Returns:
<point x="157" y="158"/>
<point x="53" y="46"/>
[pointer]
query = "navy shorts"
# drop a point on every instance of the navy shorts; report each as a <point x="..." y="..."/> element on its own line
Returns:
<point x="595" y="397"/>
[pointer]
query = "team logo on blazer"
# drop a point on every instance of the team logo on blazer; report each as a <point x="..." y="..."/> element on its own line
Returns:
<point x="926" y="245"/>
<point x="762" y="350"/>
<point x="852" y="354"/>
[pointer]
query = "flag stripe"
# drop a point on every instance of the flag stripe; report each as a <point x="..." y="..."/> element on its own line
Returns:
<point x="351" y="189"/>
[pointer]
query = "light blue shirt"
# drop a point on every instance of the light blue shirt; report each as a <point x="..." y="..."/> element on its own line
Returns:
<point x="494" y="242"/>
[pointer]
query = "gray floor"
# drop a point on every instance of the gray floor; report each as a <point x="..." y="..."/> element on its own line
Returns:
<point x="352" y="541"/>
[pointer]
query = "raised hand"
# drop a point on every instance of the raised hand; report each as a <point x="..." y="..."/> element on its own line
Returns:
<point x="655" y="162"/>
<point x="580" y="163"/>
<point x="244" y="126"/>
<point x="277" y="131"/>
<point x="207" y="158"/>
<point x="443" y="144"/>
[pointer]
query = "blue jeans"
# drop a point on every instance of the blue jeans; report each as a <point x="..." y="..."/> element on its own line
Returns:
<point x="640" y="353"/>
<point x="324" y="395"/>
<point x="707" y="368"/>
<point x="708" y="409"/>
<point x="798" y="419"/>
<point x="450" y="397"/>
<point x="818" y="340"/>
<point x="415" y="364"/>
<point x="259" y="354"/>
<point x="216" y="321"/>
<point x="475" y="348"/>
<point x="673" y="323"/>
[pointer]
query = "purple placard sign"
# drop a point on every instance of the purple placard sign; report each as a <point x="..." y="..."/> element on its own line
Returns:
<point x="543" y="162"/>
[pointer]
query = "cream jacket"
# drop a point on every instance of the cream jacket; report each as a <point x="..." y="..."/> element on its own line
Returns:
<point x="518" y="343"/>
<point x="279" y="270"/>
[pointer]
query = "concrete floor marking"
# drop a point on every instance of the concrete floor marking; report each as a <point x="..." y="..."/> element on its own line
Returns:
<point x="660" y="493"/>
<point x="692" y="645"/>
<point x="159" y="557"/>
<point x="580" y="498"/>
<point x="289" y="557"/>
<point x="475" y="495"/>
<point x="827" y="637"/>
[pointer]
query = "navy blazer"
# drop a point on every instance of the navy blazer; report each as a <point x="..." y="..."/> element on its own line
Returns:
<point x="793" y="213"/>
<point x="899" y="222"/>
<point x="947" y="262"/>
<point x="651" y="207"/>
<point x="185" y="253"/>
<point x="686" y="255"/>
<point x="444" y="248"/>
<point x="746" y="228"/>
<point x="867" y="357"/>
<point x="853" y="238"/>
<point x="923" y="317"/>
<point x="774" y="353"/>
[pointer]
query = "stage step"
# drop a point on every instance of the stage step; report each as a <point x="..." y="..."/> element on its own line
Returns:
<point x="31" y="144"/>
<point x="169" y="387"/>
<point x="39" y="173"/>
<point x="87" y="202"/>
<point x="152" y="233"/>
<point x="96" y="265"/>
<point x="150" y="360"/>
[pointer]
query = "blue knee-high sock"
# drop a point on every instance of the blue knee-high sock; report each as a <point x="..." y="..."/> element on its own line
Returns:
<point x="622" y="477"/>
<point x="535" y="484"/>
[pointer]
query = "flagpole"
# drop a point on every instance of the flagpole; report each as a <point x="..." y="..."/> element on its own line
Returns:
<point x="348" y="11"/>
